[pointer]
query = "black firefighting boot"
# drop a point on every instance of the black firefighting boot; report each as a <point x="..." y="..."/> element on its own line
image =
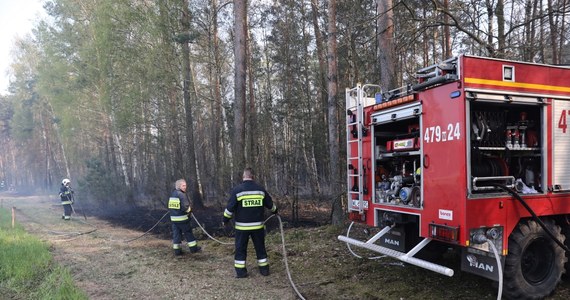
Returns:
<point x="177" y="252"/>
<point x="241" y="272"/>
<point x="195" y="249"/>
<point x="264" y="270"/>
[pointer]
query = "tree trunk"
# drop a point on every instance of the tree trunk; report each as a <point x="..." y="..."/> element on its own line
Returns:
<point x="308" y="150"/>
<point x="446" y="34"/>
<point x="217" y="117"/>
<point x="385" y="44"/>
<point x="251" y="123"/>
<point x="542" y="35"/>
<point x="320" y="134"/>
<point x="122" y="159"/>
<point x="531" y="12"/>
<point x="501" y="29"/>
<point x="240" y="29"/>
<point x="553" y="33"/>
<point x="319" y="40"/>
<point x="64" y="160"/>
<point x="337" y="214"/>
<point x="490" y="17"/>
<point x="562" y="39"/>
<point x="188" y="84"/>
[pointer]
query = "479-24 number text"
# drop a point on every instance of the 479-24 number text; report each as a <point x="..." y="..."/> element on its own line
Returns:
<point x="438" y="134"/>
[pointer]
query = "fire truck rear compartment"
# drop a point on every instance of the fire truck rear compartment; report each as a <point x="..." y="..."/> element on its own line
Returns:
<point x="398" y="165"/>
<point x="505" y="147"/>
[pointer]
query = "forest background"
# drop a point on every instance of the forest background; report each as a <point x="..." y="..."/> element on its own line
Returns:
<point x="124" y="97"/>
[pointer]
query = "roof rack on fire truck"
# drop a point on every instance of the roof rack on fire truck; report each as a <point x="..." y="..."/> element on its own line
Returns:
<point x="439" y="73"/>
<point x="442" y="72"/>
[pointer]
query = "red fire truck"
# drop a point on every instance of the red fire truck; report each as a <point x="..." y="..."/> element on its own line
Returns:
<point x="474" y="156"/>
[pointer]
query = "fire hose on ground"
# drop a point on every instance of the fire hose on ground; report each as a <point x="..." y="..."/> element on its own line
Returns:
<point x="75" y="234"/>
<point x="146" y="232"/>
<point x="284" y="250"/>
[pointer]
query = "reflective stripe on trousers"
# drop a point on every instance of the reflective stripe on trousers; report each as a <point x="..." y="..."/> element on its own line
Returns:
<point x="249" y="226"/>
<point x="240" y="264"/>
<point x="262" y="262"/>
<point x="179" y="218"/>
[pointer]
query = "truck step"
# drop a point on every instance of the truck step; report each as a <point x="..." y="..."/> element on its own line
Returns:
<point x="405" y="257"/>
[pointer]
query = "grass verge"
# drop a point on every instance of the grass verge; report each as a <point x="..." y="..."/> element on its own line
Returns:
<point x="27" y="269"/>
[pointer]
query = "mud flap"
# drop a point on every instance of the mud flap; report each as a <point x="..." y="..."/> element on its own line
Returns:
<point x="480" y="263"/>
<point x="395" y="239"/>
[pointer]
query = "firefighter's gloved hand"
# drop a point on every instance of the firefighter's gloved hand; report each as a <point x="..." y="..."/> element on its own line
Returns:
<point x="275" y="211"/>
<point x="189" y="210"/>
<point x="225" y="220"/>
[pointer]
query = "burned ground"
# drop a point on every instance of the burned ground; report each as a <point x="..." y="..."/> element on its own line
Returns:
<point x="154" y="221"/>
<point x="111" y="257"/>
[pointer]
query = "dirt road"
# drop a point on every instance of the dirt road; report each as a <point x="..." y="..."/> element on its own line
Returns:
<point x="105" y="266"/>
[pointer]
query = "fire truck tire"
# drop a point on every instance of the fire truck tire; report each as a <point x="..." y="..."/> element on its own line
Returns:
<point x="566" y="231"/>
<point x="535" y="262"/>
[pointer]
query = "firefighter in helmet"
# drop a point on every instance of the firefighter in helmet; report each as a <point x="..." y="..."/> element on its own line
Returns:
<point x="66" y="196"/>
<point x="246" y="205"/>
<point x="180" y="221"/>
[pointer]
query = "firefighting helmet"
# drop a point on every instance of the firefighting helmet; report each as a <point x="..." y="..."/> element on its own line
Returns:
<point x="65" y="181"/>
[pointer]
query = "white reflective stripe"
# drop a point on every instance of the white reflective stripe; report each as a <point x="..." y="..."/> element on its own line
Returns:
<point x="249" y="224"/>
<point x="262" y="260"/>
<point x="239" y="262"/>
<point x="246" y="193"/>
<point x="175" y="246"/>
<point x="179" y="218"/>
<point x="65" y="202"/>
<point x="227" y="212"/>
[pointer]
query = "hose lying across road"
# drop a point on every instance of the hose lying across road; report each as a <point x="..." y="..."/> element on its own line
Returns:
<point x="205" y="232"/>
<point x="284" y="250"/>
<point x="77" y="234"/>
<point x="146" y="232"/>
<point x="285" y="256"/>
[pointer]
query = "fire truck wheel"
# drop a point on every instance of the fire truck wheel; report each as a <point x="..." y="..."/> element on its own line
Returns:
<point x="566" y="232"/>
<point x="535" y="262"/>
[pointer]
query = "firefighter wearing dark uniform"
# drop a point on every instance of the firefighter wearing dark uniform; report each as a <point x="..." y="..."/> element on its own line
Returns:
<point x="66" y="196"/>
<point x="180" y="220"/>
<point x="246" y="205"/>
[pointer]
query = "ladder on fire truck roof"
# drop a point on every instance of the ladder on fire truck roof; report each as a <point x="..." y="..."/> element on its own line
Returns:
<point x="356" y="99"/>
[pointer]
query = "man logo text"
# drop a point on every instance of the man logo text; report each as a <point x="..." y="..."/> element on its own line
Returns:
<point x="392" y="242"/>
